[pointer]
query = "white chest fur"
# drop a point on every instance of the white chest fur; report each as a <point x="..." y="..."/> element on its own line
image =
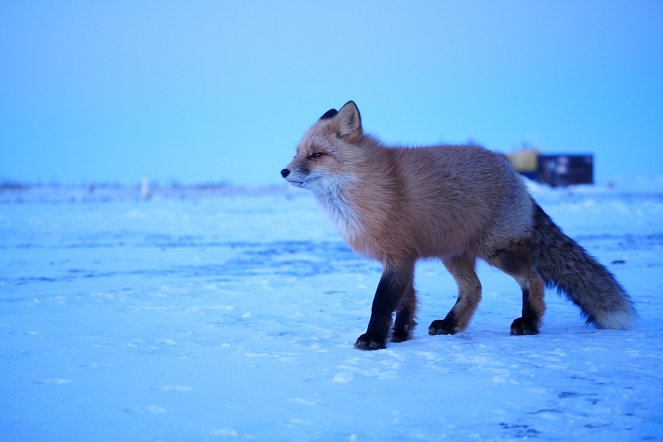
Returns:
<point x="341" y="211"/>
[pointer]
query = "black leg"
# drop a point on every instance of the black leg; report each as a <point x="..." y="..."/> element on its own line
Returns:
<point x="392" y="286"/>
<point x="405" y="316"/>
<point x="528" y="324"/>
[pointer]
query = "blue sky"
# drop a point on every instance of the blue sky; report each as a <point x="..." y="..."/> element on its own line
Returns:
<point x="221" y="91"/>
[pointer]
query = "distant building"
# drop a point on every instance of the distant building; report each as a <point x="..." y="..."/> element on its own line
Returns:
<point x="556" y="170"/>
<point x="564" y="170"/>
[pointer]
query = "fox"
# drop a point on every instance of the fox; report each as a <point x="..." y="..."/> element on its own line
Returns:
<point x="456" y="203"/>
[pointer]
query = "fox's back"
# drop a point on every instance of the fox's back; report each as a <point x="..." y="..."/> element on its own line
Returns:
<point x="455" y="196"/>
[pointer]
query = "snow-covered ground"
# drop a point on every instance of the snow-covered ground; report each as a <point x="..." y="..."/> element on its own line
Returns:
<point x="208" y="315"/>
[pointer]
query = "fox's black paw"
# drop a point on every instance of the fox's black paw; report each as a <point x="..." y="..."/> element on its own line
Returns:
<point x="400" y="336"/>
<point x="521" y="327"/>
<point x="402" y="330"/>
<point x="442" y="327"/>
<point x="370" y="341"/>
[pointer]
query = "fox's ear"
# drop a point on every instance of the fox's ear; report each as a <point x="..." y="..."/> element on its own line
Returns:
<point x="348" y="122"/>
<point x="331" y="113"/>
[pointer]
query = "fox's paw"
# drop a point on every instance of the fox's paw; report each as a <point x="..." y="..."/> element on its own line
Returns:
<point x="370" y="341"/>
<point x="442" y="327"/>
<point x="400" y="336"/>
<point x="521" y="327"/>
<point x="402" y="330"/>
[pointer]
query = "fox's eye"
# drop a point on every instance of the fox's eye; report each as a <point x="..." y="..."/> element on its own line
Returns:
<point x="316" y="155"/>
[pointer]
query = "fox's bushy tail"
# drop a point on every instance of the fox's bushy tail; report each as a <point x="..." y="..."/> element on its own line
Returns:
<point x="564" y="264"/>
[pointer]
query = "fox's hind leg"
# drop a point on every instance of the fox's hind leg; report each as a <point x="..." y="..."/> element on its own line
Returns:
<point x="469" y="296"/>
<point x="533" y="306"/>
<point x="517" y="262"/>
<point x="405" y="315"/>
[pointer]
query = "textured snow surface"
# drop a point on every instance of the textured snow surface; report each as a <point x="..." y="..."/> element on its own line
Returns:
<point x="231" y="315"/>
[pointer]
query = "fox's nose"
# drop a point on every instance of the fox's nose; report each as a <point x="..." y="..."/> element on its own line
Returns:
<point x="285" y="173"/>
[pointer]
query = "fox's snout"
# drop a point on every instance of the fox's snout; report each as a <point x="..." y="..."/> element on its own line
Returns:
<point x="296" y="176"/>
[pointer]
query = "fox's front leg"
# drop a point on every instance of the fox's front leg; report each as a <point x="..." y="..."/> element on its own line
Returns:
<point x="396" y="278"/>
<point x="405" y="314"/>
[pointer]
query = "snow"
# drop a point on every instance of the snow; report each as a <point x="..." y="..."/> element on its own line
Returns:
<point x="231" y="315"/>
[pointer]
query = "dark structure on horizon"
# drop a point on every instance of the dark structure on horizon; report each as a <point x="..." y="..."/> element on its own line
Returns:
<point x="556" y="170"/>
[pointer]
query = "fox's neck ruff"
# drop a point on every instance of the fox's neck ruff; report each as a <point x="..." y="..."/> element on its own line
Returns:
<point x="338" y="205"/>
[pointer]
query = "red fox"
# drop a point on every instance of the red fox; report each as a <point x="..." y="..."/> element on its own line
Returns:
<point x="456" y="203"/>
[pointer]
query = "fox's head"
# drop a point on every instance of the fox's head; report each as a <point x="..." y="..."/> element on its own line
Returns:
<point x="327" y="153"/>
